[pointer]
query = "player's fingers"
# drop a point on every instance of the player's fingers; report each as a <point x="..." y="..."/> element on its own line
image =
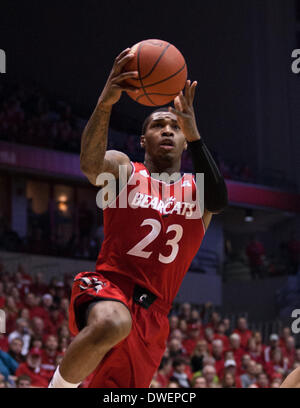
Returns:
<point x="123" y="61"/>
<point x="121" y="55"/>
<point x="177" y="112"/>
<point x="125" y="87"/>
<point x="125" y="75"/>
<point x="183" y="102"/>
<point x="177" y="103"/>
<point x="193" y="90"/>
<point x="187" y="91"/>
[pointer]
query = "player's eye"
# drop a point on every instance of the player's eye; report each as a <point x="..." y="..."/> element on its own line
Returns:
<point x="157" y="125"/>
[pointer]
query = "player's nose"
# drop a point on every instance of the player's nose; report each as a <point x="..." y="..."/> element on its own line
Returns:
<point x="167" y="131"/>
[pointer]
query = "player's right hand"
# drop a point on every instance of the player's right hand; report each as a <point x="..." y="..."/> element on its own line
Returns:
<point x="115" y="83"/>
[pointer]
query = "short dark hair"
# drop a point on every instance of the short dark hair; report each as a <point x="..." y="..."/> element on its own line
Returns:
<point x="148" y="118"/>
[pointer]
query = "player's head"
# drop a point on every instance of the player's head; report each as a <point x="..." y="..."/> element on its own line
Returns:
<point x="162" y="137"/>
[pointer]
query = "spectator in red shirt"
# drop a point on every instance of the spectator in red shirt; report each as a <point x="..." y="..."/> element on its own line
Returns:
<point x="289" y="350"/>
<point x="255" y="252"/>
<point x="32" y="368"/>
<point x="183" y="327"/>
<point x="15" y="293"/>
<point x="37" y="327"/>
<point x="231" y="368"/>
<point x="258" y="338"/>
<point x="173" y="322"/>
<point x="217" y="354"/>
<point x="193" y="337"/>
<point x="255" y="351"/>
<point x="215" y="319"/>
<point x="285" y="333"/>
<point x="3" y="342"/>
<point x="49" y="354"/>
<point x="31" y="302"/>
<point x="220" y="334"/>
<point x="277" y="364"/>
<point x="228" y="381"/>
<point x="164" y="372"/>
<point x="235" y="346"/>
<point x="38" y="286"/>
<point x="245" y="360"/>
<point x="185" y="311"/>
<point x="209" y="337"/>
<point x="274" y="343"/>
<point x="262" y="381"/>
<point x="242" y="330"/>
<point x="2" y="296"/>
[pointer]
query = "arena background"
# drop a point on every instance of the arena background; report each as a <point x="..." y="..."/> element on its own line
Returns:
<point x="58" y="56"/>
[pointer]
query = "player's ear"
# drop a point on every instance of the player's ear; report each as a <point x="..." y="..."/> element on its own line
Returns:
<point x="185" y="145"/>
<point x="142" y="141"/>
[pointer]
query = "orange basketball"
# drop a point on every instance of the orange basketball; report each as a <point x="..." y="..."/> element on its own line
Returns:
<point x="162" y="72"/>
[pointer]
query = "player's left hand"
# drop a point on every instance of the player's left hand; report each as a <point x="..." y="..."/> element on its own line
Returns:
<point x="184" y="111"/>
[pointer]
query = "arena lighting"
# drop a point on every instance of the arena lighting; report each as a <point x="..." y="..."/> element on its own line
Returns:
<point x="249" y="216"/>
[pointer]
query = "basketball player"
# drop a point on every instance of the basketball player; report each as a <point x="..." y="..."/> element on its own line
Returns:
<point x="292" y="380"/>
<point x="119" y="313"/>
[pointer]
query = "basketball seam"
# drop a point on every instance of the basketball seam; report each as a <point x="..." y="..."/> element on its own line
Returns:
<point x="157" y="61"/>
<point x="165" y="79"/>
<point x="140" y="79"/>
<point x="156" y="93"/>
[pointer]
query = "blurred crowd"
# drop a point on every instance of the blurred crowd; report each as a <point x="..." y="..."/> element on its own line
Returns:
<point x="203" y="350"/>
<point x="28" y="116"/>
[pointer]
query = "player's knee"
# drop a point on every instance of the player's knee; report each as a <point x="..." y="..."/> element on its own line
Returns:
<point x="110" y="328"/>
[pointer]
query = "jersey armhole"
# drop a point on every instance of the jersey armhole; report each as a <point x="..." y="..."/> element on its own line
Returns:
<point x="204" y="229"/>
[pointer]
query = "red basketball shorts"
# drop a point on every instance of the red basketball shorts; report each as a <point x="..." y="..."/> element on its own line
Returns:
<point x="133" y="362"/>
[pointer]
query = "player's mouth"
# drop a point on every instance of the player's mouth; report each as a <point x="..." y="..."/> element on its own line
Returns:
<point x="167" y="144"/>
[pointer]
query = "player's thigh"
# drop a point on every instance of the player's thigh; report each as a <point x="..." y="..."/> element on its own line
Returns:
<point x="111" y="318"/>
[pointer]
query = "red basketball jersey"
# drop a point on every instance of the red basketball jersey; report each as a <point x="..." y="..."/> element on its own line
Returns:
<point x="152" y="232"/>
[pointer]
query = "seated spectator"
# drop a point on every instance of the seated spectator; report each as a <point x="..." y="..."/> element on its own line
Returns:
<point x="262" y="381"/>
<point x="22" y="330"/>
<point x="244" y="363"/>
<point x="38" y="286"/>
<point x="193" y="336"/>
<point x="15" y="349"/>
<point x="274" y="343"/>
<point x="23" y="381"/>
<point x="200" y="351"/>
<point x="285" y="333"/>
<point x="255" y="351"/>
<point x="220" y="334"/>
<point x="32" y="368"/>
<point x="217" y="354"/>
<point x="210" y="375"/>
<point x="209" y="336"/>
<point x="174" y="322"/>
<point x="181" y="373"/>
<point x="32" y="303"/>
<point x="230" y="367"/>
<point x="199" y="382"/>
<point x="2" y="296"/>
<point x="49" y="354"/>
<point x="249" y="377"/>
<point x="215" y="319"/>
<point x="11" y="312"/>
<point x="8" y="365"/>
<point x="235" y="346"/>
<point x="164" y="372"/>
<point x="176" y="349"/>
<point x="185" y="311"/>
<point x="173" y="383"/>
<point x="276" y="383"/>
<point x="289" y="350"/>
<point x="243" y="332"/>
<point x="277" y="364"/>
<point x="228" y="381"/>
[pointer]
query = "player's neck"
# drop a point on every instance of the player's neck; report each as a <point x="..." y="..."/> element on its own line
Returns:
<point x="166" y="167"/>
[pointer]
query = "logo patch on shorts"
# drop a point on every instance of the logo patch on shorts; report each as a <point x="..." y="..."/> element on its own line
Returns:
<point x="91" y="283"/>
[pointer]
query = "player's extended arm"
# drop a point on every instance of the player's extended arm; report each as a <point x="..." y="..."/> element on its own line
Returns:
<point x="94" y="158"/>
<point x="292" y="380"/>
<point x="215" y="194"/>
